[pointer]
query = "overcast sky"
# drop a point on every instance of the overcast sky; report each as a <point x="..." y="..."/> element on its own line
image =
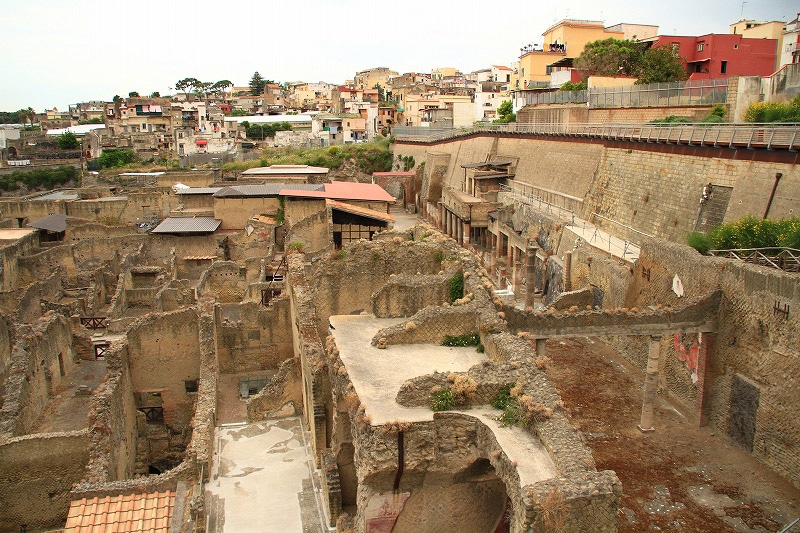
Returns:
<point x="60" y="52"/>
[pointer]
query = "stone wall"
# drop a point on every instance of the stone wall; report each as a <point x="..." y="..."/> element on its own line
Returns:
<point x="12" y="277"/>
<point x="41" y="351"/>
<point x="260" y="340"/>
<point x="164" y="354"/>
<point x="225" y="280"/>
<point x="406" y="294"/>
<point x="38" y="472"/>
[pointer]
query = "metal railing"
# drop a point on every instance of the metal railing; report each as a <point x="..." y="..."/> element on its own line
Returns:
<point x="556" y="97"/>
<point x="679" y="93"/>
<point x="731" y="135"/>
<point x="786" y="259"/>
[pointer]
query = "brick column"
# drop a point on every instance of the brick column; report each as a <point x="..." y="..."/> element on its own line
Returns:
<point x="702" y="400"/>
<point x="459" y="231"/>
<point x="448" y="228"/>
<point x="650" y="385"/>
<point x="568" y="271"/>
<point x="498" y="245"/>
<point x="467" y="234"/>
<point x="440" y="222"/>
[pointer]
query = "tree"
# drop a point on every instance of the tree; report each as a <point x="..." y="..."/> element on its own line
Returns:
<point x="506" y="112"/>
<point x="610" y="57"/>
<point x="220" y="86"/>
<point x="116" y="157"/>
<point x="660" y="64"/>
<point x="155" y="94"/>
<point x="133" y="94"/>
<point x="257" y="84"/>
<point x="381" y="92"/>
<point x="68" y="141"/>
<point x="186" y="85"/>
<point x="615" y="57"/>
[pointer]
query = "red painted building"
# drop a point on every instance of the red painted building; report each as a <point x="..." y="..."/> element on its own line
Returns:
<point x="721" y="55"/>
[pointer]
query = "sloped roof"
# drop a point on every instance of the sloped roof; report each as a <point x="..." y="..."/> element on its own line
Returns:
<point x="122" y="514"/>
<point x="188" y="225"/>
<point x="341" y="190"/>
<point x="265" y="190"/>
<point x="361" y="211"/>
<point x="55" y="223"/>
<point x="199" y="190"/>
<point x="284" y="169"/>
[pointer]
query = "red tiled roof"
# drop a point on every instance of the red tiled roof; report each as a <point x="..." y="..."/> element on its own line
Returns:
<point x="357" y="210"/>
<point x="342" y="190"/>
<point x="122" y="514"/>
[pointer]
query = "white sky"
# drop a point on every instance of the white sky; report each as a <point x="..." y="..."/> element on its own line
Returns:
<point x="60" y="52"/>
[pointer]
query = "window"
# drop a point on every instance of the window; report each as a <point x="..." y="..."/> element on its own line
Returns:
<point x="700" y="46"/>
<point x="724" y="68"/>
<point x="190" y="385"/>
<point x="736" y="46"/>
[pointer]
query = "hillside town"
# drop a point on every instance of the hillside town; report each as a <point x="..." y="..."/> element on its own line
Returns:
<point x="555" y="294"/>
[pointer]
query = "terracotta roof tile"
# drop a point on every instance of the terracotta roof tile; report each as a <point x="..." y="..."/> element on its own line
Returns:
<point x="122" y="514"/>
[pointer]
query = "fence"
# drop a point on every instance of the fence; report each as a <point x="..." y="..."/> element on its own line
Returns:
<point x="748" y="135"/>
<point x="679" y="93"/>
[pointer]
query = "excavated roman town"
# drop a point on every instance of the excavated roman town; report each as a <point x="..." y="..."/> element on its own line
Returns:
<point x="276" y="371"/>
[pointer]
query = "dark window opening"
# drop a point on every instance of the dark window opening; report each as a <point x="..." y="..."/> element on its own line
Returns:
<point x="724" y="68"/>
<point x="190" y="385"/>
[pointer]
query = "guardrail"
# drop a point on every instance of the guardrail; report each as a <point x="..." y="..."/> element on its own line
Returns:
<point x="769" y="136"/>
<point x="786" y="259"/>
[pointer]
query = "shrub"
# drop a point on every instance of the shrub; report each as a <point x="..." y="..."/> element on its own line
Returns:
<point x="699" y="241"/>
<point x="116" y="157"/>
<point x="470" y="339"/>
<point x="442" y="399"/>
<point x="502" y="398"/>
<point x="47" y="178"/>
<point x="68" y="141"/>
<point x="750" y="232"/>
<point x="457" y="287"/>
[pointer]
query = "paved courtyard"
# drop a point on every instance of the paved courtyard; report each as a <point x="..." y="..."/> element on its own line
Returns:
<point x="263" y="480"/>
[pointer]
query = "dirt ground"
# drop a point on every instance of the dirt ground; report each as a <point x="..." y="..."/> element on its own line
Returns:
<point x="678" y="478"/>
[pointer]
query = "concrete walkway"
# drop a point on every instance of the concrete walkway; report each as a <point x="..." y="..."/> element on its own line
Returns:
<point x="263" y="480"/>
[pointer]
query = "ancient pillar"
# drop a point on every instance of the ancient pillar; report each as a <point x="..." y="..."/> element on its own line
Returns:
<point x="514" y="269"/>
<point x="568" y="271"/>
<point x="530" y="276"/>
<point x="650" y="385"/>
<point x="459" y="231"/>
<point x="440" y="222"/>
<point x="448" y="228"/>
<point x="467" y="234"/>
<point x="703" y="397"/>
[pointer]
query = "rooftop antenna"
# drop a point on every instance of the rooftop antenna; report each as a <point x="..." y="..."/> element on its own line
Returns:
<point x="741" y="13"/>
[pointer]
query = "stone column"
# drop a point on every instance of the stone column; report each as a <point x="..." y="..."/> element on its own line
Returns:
<point x="703" y="398"/>
<point x="460" y="231"/>
<point x="440" y="223"/>
<point x="530" y="276"/>
<point x="568" y="271"/>
<point x="467" y="234"/>
<point x="448" y="227"/>
<point x="498" y="245"/>
<point x="650" y="385"/>
<point x="514" y="269"/>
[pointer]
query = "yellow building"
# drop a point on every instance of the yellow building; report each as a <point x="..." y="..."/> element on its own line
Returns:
<point x="563" y="40"/>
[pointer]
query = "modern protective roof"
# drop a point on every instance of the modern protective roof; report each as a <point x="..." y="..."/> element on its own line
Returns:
<point x="341" y="190"/>
<point x="361" y="211"/>
<point x="199" y="190"/>
<point x="56" y="195"/>
<point x="284" y="169"/>
<point x="122" y="514"/>
<point x="79" y="131"/>
<point x="265" y="190"/>
<point x="55" y="223"/>
<point x="196" y="225"/>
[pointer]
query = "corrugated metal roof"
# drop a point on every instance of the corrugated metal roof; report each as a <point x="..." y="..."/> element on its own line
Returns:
<point x="265" y="190"/>
<point x="362" y="211"/>
<point x="341" y="190"/>
<point x="122" y="514"/>
<point x="55" y="223"/>
<point x="188" y="225"/>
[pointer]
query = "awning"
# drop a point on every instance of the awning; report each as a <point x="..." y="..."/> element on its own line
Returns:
<point x="699" y="60"/>
<point x="56" y="223"/>
<point x="201" y="142"/>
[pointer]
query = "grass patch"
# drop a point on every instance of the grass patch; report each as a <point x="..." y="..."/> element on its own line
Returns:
<point x="443" y="399"/>
<point x="470" y="339"/>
